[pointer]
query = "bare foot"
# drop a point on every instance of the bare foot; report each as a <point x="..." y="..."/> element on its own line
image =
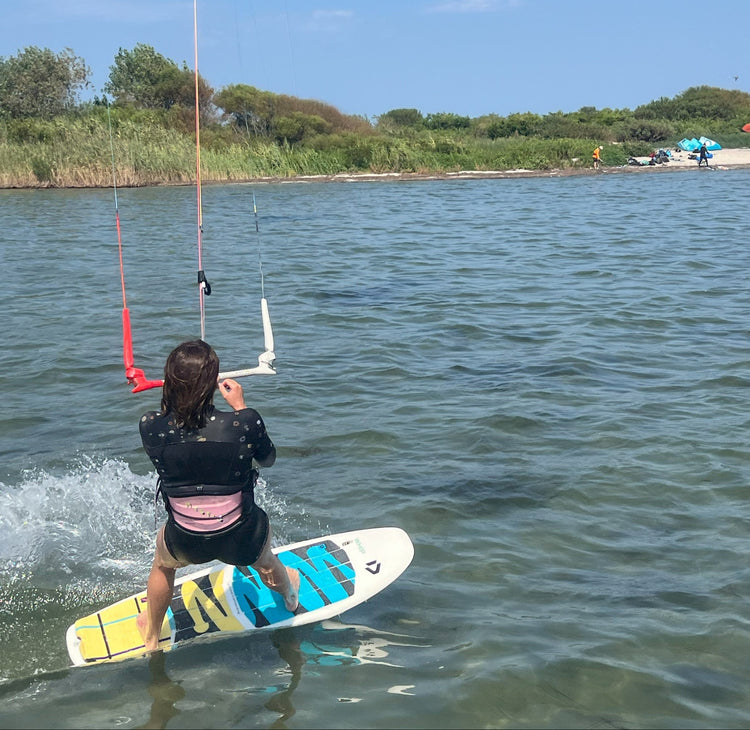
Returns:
<point x="141" y="623"/>
<point x="291" y="600"/>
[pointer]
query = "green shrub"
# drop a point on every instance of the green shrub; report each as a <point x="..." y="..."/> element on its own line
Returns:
<point x="42" y="169"/>
<point x="29" y="129"/>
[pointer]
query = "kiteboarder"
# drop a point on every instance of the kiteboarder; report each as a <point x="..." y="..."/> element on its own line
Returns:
<point x="703" y="152"/>
<point x="204" y="459"/>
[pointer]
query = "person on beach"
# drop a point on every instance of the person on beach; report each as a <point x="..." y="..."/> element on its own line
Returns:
<point x="597" y="157"/>
<point x="703" y="155"/>
<point x="204" y="461"/>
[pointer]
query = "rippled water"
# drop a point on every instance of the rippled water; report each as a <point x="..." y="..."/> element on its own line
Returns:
<point x="544" y="381"/>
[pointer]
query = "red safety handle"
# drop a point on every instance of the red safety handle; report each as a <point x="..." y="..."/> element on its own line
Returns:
<point x="135" y="376"/>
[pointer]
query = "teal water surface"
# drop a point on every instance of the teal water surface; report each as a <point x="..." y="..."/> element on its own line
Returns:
<point x="543" y="381"/>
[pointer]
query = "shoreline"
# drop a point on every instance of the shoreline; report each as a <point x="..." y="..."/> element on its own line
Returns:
<point x="725" y="159"/>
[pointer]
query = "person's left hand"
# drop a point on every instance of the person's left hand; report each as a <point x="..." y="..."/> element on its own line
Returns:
<point x="231" y="390"/>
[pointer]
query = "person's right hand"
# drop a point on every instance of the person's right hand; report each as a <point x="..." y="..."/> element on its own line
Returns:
<point x="231" y="390"/>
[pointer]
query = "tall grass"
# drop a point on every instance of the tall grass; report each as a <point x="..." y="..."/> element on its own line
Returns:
<point x="76" y="151"/>
<point x="78" y="154"/>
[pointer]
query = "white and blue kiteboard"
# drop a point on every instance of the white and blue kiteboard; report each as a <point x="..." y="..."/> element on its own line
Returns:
<point x="337" y="572"/>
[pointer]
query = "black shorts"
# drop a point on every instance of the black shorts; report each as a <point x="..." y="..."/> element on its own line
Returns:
<point x="239" y="544"/>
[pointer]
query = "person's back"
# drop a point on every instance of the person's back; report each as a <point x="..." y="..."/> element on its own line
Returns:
<point x="204" y="459"/>
<point x="218" y="458"/>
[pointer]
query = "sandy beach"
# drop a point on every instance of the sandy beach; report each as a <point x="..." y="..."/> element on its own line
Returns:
<point x="738" y="157"/>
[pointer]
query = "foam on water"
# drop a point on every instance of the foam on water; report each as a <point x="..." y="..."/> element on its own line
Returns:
<point x="69" y="542"/>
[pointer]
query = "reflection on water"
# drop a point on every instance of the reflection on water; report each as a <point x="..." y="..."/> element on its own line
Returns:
<point x="330" y="643"/>
<point x="164" y="692"/>
<point x="290" y="650"/>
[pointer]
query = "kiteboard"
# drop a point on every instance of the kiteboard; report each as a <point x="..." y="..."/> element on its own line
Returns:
<point x="337" y="572"/>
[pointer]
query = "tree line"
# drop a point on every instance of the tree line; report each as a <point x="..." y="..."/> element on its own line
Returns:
<point x="40" y="101"/>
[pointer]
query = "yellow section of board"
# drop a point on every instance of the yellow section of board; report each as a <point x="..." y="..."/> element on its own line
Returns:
<point x="201" y="606"/>
<point x="112" y="634"/>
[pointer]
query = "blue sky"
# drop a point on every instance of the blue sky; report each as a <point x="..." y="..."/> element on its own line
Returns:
<point x="468" y="57"/>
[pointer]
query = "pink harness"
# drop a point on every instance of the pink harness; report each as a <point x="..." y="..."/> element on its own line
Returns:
<point x="206" y="512"/>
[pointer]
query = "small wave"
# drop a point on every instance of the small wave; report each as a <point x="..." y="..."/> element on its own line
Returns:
<point x="95" y="520"/>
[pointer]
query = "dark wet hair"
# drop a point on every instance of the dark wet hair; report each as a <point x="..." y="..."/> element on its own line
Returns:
<point x="190" y="377"/>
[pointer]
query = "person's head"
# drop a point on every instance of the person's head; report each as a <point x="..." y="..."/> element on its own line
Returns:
<point x="191" y="375"/>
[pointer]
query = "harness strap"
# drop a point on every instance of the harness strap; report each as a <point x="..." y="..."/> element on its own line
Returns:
<point x="156" y="501"/>
<point x="176" y="511"/>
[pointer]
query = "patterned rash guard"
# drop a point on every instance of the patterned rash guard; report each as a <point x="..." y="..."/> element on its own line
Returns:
<point x="206" y="475"/>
